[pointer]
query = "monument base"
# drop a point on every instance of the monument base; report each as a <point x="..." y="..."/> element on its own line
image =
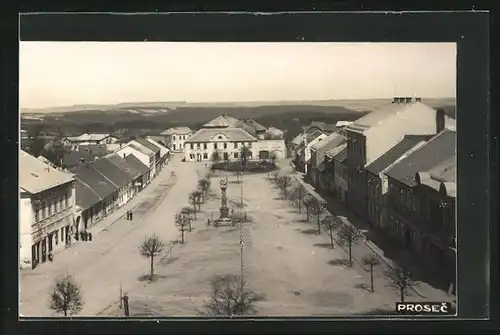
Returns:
<point x="224" y="212"/>
<point x="223" y="222"/>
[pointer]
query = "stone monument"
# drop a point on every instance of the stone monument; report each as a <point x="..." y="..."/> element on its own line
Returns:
<point x="223" y="210"/>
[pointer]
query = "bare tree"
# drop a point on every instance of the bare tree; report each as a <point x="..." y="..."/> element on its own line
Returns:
<point x="181" y="222"/>
<point x="66" y="296"/>
<point x="229" y="297"/>
<point x="400" y="279"/>
<point x="331" y="223"/>
<point x="284" y="183"/>
<point x="187" y="211"/>
<point x="299" y="194"/>
<point x="371" y="260"/>
<point x="308" y="204"/>
<point x="204" y="185"/>
<point x="317" y="208"/>
<point x="151" y="247"/>
<point x="197" y="196"/>
<point x="347" y="236"/>
<point x="276" y="177"/>
<point x="193" y="202"/>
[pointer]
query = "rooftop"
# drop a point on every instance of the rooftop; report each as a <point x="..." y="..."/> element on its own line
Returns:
<point x="439" y="149"/>
<point x="341" y="156"/>
<point x="163" y="149"/>
<point x="89" y="137"/>
<point x="210" y="134"/>
<point x="123" y="165"/>
<point x="85" y="197"/>
<point x="379" y="116"/>
<point x="97" y="182"/>
<point x="393" y="154"/>
<point x="136" y="164"/>
<point x="141" y="149"/>
<point x="111" y="172"/>
<point x="177" y="131"/>
<point x="222" y="121"/>
<point x="36" y="176"/>
<point x="142" y="141"/>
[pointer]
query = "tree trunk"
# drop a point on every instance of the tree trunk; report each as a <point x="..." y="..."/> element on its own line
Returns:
<point x="182" y="233"/>
<point x="65" y="312"/>
<point x="307" y="213"/>
<point x="195" y="213"/>
<point x="319" y="224"/>
<point x="189" y="224"/>
<point x="372" y="287"/>
<point x="300" y="204"/>
<point x="284" y="190"/>
<point x="402" y="293"/>
<point x="350" y="252"/>
<point x="331" y="237"/>
<point x="152" y="268"/>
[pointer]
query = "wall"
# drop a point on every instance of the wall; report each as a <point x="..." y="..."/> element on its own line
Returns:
<point x="278" y="147"/>
<point x="179" y="141"/>
<point x="206" y="154"/>
<point x="131" y="151"/>
<point x="26" y="218"/>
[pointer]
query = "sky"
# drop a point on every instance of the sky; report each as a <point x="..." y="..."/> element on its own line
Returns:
<point x="68" y="73"/>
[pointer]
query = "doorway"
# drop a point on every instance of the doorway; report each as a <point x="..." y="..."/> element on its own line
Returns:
<point x="226" y="156"/>
<point x="44" y="250"/>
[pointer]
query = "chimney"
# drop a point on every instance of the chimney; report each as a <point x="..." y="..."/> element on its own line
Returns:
<point x="408" y="100"/>
<point x="418" y="99"/>
<point x="440" y="116"/>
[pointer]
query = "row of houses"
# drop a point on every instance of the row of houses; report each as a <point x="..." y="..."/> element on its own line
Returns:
<point x="59" y="201"/>
<point x="396" y="169"/>
<point x="226" y="136"/>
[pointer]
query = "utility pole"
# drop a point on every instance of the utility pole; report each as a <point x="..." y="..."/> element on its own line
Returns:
<point x="121" y="296"/>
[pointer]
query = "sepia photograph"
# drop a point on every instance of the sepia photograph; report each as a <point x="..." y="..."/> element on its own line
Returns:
<point x="221" y="179"/>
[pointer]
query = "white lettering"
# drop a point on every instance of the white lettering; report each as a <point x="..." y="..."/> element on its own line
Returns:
<point x="427" y="308"/>
<point x="401" y="307"/>
<point x="418" y="308"/>
<point x="410" y="308"/>
<point x="444" y="308"/>
<point x="435" y="309"/>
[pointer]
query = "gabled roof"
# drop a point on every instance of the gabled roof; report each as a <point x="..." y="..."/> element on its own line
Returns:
<point x="437" y="150"/>
<point x="379" y="116"/>
<point x="147" y="144"/>
<point x="123" y="165"/>
<point x="148" y="152"/>
<point x="163" y="149"/>
<point x="393" y="154"/>
<point x="97" y="182"/>
<point x="92" y="137"/>
<point x="221" y="122"/>
<point x="137" y="164"/>
<point x="330" y="143"/>
<point x="254" y="124"/>
<point x="232" y="134"/>
<point x="160" y="139"/>
<point x="299" y="139"/>
<point x="36" y="176"/>
<point x="111" y="172"/>
<point x="323" y="126"/>
<point x="341" y="156"/>
<point x="85" y="197"/>
<point x="177" y="131"/>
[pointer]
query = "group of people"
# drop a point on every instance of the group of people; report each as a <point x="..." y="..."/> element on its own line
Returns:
<point x="129" y="215"/>
<point x="83" y="235"/>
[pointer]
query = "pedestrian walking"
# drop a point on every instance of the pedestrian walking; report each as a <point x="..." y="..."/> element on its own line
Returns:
<point x="208" y="223"/>
<point x="85" y="235"/>
<point x="82" y="236"/>
<point x="131" y="216"/>
<point x="128" y="215"/>
<point x="90" y="236"/>
<point x="76" y="236"/>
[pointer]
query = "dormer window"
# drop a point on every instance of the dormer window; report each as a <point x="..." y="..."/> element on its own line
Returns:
<point x="219" y="137"/>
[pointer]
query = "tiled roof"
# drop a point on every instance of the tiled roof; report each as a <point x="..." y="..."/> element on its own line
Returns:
<point x="111" y="171"/>
<point x="85" y="197"/>
<point x="36" y="176"/>
<point x="254" y="124"/>
<point x="440" y="148"/>
<point x="147" y="144"/>
<point x="94" y="180"/>
<point x="298" y="139"/>
<point x="446" y="171"/>
<point x="91" y="137"/>
<point x="324" y="126"/>
<point x="341" y="156"/>
<point x="177" y="131"/>
<point x="232" y="134"/>
<point x="74" y="158"/>
<point x="97" y="149"/>
<point x="137" y="164"/>
<point x="221" y="122"/>
<point x="160" y="139"/>
<point x="123" y="165"/>
<point x="329" y="143"/>
<point x="393" y="154"/>
<point x="378" y="116"/>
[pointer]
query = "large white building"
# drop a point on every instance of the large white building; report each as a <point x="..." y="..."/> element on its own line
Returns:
<point x="46" y="209"/>
<point x="176" y="137"/>
<point x="227" y="136"/>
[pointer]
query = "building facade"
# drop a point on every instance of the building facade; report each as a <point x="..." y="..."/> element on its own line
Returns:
<point x="146" y="157"/>
<point x="176" y="137"/>
<point x="47" y="208"/>
<point x="341" y="174"/>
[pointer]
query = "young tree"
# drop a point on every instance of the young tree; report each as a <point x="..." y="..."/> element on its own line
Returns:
<point x="308" y="204"/>
<point x="193" y="201"/>
<point x="204" y="185"/>
<point x="151" y="247"/>
<point x="276" y="176"/>
<point x="230" y="297"/>
<point x="371" y="260"/>
<point x="197" y="196"/>
<point x="187" y="211"/>
<point x="317" y="208"/>
<point x="300" y="193"/>
<point x="284" y="183"/>
<point x="331" y="224"/>
<point x="181" y="222"/>
<point x="66" y="297"/>
<point x="400" y="279"/>
<point x="347" y="236"/>
<point x="245" y="155"/>
<point x="216" y="156"/>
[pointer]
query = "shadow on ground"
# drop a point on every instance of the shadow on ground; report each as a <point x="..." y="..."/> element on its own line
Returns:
<point x="310" y="232"/>
<point x="147" y="278"/>
<point x="323" y="245"/>
<point x="339" y="262"/>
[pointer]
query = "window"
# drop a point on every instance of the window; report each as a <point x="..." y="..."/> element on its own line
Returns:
<point x="174" y="146"/>
<point x="37" y="214"/>
<point x="56" y="237"/>
<point x="219" y="137"/>
<point x="173" y="138"/>
<point x="50" y="209"/>
<point x="191" y="156"/>
<point x="225" y="145"/>
<point x="235" y="155"/>
<point x="198" y="145"/>
<point x="205" y="146"/>
<point x="205" y="156"/>
<point x="249" y="144"/>
<point x="235" y="145"/>
<point x="62" y="234"/>
<point x="192" y="146"/>
<point x="215" y="145"/>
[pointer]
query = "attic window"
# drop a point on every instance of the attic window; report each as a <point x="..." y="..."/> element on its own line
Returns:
<point x="219" y="137"/>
